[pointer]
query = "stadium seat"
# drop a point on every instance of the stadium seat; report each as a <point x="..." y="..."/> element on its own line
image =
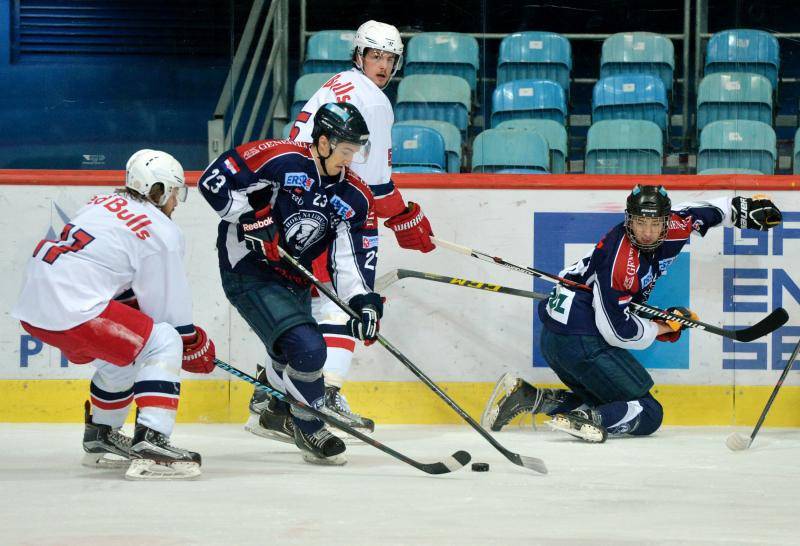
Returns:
<point x="535" y="56"/>
<point x="329" y="51"/>
<point x="428" y="96"/>
<point x="510" y="151"/>
<point x="452" y="140"/>
<point x="554" y="134"/>
<point x="729" y="171"/>
<point x="305" y="87"/>
<point x="529" y="99"/>
<point x="618" y="146"/>
<point x="448" y="53"/>
<point x="796" y="153"/>
<point x="734" y="95"/>
<point x="631" y="96"/>
<point x="638" y="53"/>
<point x="417" y="149"/>
<point x="743" y="50"/>
<point x="739" y="144"/>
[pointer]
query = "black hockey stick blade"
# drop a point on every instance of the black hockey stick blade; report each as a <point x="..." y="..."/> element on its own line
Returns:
<point x="765" y="326"/>
<point x="452" y="463"/>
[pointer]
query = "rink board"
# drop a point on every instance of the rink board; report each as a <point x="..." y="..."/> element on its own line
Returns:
<point x="463" y="339"/>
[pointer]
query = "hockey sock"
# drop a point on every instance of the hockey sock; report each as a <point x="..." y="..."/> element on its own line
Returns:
<point x="157" y="388"/>
<point x="305" y="352"/>
<point x="620" y="417"/>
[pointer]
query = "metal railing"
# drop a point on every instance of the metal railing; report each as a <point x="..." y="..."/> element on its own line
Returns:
<point x="224" y="129"/>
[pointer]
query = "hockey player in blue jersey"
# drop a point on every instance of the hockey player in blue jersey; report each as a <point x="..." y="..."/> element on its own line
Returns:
<point x="301" y="197"/>
<point x="586" y="336"/>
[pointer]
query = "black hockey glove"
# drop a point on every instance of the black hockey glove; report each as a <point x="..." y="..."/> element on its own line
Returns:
<point x="261" y="234"/>
<point x="757" y="212"/>
<point x="370" y="308"/>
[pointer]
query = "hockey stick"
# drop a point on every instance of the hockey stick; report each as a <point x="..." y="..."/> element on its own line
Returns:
<point x="739" y="442"/>
<point x="531" y="463"/>
<point x="387" y="279"/>
<point x="768" y="324"/>
<point x="452" y="463"/>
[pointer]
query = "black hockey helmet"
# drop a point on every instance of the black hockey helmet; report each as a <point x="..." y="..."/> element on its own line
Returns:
<point x="648" y="202"/>
<point x="342" y="122"/>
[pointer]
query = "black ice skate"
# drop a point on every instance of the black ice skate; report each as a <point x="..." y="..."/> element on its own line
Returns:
<point x="583" y="424"/>
<point x="105" y="447"/>
<point x="513" y="396"/>
<point x="273" y="421"/>
<point x="154" y="458"/>
<point x="321" y="447"/>
<point x="337" y="406"/>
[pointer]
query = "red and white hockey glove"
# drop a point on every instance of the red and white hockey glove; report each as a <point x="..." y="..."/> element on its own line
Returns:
<point x="412" y="229"/>
<point x="199" y="354"/>
<point x="676" y="326"/>
<point x="261" y="233"/>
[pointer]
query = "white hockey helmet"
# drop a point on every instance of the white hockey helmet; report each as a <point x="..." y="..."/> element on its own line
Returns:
<point x="379" y="36"/>
<point x="147" y="168"/>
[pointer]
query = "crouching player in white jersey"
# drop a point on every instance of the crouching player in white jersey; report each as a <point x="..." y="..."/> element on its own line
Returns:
<point x="377" y="56"/>
<point x="303" y="198"/>
<point x="586" y="336"/>
<point x="120" y="246"/>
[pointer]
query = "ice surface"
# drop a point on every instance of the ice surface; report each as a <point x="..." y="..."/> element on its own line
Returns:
<point x="681" y="486"/>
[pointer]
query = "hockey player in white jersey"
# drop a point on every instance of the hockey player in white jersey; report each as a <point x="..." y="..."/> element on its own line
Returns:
<point x="112" y="291"/>
<point x="377" y="56"/>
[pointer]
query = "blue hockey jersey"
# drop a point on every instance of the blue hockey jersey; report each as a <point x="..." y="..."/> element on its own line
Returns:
<point x="318" y="214"/>
<point x="619" y="273"/>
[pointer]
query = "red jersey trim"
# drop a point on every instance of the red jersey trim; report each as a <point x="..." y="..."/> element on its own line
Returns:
<point x="625" y="270"/>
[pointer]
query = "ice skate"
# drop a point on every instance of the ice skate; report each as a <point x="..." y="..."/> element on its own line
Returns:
<point x="337" y="407"/>
<point x="272" y="422"/>
<point x="105" y="447"/>
<point x="154" y="458"/>
<point x="320" y="447"/>
<point x="513" y="396"/>
<point x="583" y="424"/>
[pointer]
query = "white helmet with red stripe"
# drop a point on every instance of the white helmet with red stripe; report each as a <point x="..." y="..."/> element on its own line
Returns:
<point x="146" y="168"/>
<point x="381" y="36"/>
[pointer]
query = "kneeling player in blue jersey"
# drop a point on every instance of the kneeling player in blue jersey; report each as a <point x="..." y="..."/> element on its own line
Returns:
<point x="304" y="199"/>
<point x="587" y="335"/>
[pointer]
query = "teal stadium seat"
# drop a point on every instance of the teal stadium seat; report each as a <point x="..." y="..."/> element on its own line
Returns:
<point x="428" y="96"/>
<point x="553" y="133"/>
<point x="535" y="56"/>
<point x="417" y="149"/>
<point x="448" y="53"/>
<point x="620" y="146"/>
<point x="529" y="99"/>
<point x="744" y="50"/>
<point x="730" y="171"/>
<point x="452" y="140"/>
<point x="631" y="96"/>
<point x="329" y="51"/>
<point x="738" y="144"/>
<point x="734" y="95"/>
<point x="796" y="153"/>
<point x="305" y="87"/>
<point x="510" y="151"/>
<point x="638" y="53"/>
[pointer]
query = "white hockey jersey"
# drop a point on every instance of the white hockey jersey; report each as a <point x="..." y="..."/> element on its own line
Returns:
<point x="354" y="87"/>
<point x="112" y="245"/>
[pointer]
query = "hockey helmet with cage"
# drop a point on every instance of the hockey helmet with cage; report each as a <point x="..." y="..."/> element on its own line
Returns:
<point x="146" y="168"/>
<point x="648" y="202"/>
<point x="340" y="122"/>
<point x="381" y="36"/>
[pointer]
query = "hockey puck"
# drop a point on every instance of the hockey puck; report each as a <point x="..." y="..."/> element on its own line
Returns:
<point x="480" y="467"/>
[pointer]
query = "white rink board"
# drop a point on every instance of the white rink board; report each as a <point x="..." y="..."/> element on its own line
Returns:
<point x="453" y="334"/>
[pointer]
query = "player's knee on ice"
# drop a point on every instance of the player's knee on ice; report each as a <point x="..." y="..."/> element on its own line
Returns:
<point x="651" y="417"/>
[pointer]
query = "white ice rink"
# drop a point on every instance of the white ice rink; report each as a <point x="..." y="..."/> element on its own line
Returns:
<point x="681" y="486"/>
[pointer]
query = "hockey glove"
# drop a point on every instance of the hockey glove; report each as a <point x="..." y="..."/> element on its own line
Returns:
<point x="412" y="229"/>
<point x="677" y="327"/>
<point x="370" y="308"/>
<point x="261" y="233"/>
<point x="757" y="212"/>
<point x="199" y="353"/>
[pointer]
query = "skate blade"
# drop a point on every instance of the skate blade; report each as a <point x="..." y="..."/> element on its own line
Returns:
<point x="254" y="427"/>
<point x="346" y="438"/>
<point x="104" y="461"/>
<point x="587" y="433"/>
<point x="336" y="460"/>
<point x="501" y="389"/>
<point x="148" y="469"/>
